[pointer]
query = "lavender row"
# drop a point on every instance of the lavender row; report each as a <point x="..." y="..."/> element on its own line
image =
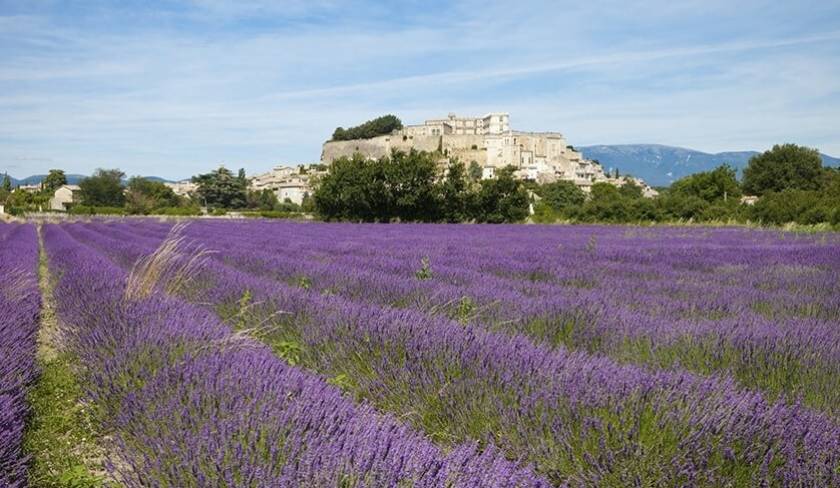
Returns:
<point x="580" y="419"/>
<point x="681" y="318"/>
<point x="698" y="311"/>
<point x="189" y="403"/>
<point x="19" y="312"/>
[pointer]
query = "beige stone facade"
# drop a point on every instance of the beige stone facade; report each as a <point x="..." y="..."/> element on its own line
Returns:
<point x="292" y="183"/>
<point x="63" y="197"/>
<point x="182" y="188"/>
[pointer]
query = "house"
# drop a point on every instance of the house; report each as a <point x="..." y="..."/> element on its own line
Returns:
<point x="182" y="188"/>
<point x="293" y="183"/>
<point x="64" y="197"/>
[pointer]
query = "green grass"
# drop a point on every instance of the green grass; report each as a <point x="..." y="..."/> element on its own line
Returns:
<point x="59" y="434"/>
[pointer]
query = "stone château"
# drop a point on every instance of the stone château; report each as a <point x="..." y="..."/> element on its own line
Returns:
<point x="486" y="141"/>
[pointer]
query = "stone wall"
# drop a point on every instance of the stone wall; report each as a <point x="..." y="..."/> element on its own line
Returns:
<point x="377" y="147"/>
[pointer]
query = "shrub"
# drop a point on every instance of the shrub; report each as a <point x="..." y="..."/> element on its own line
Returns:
<point x="94" y="210"/>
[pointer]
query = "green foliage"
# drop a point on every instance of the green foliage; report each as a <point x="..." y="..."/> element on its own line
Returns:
<point x="402" y="186"/>
<point x="466" y="310"/>
<point x="272" y="214"/>
<point x="353" y="189"/>
<point x="425" y="271"/>
<point x="409" y="187"/>
<point x="410" y="184"/>
<point x="711" y="186"/>
<point x="501" y="199"/>
<point x="53" y="181"/>
<point x="187" y="211"/>
<point x="544" y="214"/>
<point x="630" y="190"/>
<point x="677" y="206"/>
<point x="88" y="210"/>
<point x="304" y="282"/>
<point x="799" y="206"/>
<point x="307" y="205"/>
<point x="20" y="201"/>
<point x="784" y="167"/>
<point x="290" y="351"/>
<point x="7" y="184"/>
<point x="220" y="189"/>
<point x="60" y="431"/>
<point x="474" y="173"/>
<point x="561" y="196"/>
<point x="452" y="194"/>
<point x="342" y="381"/>
<point x="606" y="204"/>
<point x="143" y="196"/>
<point x="103" y="189"/>
<point x="242" y="307"/>
<point x="262" y="200"/>
<point x="372" y="128"/>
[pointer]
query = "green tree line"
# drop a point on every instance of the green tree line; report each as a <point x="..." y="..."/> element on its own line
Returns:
<point x="409" y="187"/>
<point x="372" y="128"/>
<point x="789" y="180"/>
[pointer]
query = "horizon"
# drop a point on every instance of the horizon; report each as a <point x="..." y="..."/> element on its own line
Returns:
<point x="172" y="89"/>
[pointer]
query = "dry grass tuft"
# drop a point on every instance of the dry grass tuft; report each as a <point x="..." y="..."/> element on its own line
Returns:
<point x="171" y="268"/>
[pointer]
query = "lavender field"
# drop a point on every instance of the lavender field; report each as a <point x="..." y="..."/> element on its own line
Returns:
<point x="259" y="353"/>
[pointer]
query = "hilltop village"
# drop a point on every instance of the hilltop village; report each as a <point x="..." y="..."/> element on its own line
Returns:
<point x="487" y="142"/>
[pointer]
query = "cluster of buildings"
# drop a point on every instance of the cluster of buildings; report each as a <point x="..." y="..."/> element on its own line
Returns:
<point x="289" y="183"/>
<point x="490" y="142"/>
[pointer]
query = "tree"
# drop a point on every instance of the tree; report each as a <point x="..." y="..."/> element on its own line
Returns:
<point x="681" y="206"/>
<point x="410" y="178"/>
<point x="103" y="189"/>
<point x="353" y="189"/>
<point x="454" y="195"/>
<point x="144" y="195"/>
<point x="711" y="186"/>
<point x="784" y="167"/>
<point x="7" y="184"/>
<point x="475" y="172"/>
<point x="53" y="181"/>
<point x="221" y="189"/>
<point x="800" y="206"/>
<point x="372" y="128"/>
<point x="262" y="200"/>
<point x="561" y="195"/>
<point x="307" y="204"/>
<point x="630" y="189"/>
<point x="400" y="186"/>
<point x="501" y="199"/>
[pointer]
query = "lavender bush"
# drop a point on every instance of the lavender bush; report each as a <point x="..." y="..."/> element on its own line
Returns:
<point x="19" y="311"/>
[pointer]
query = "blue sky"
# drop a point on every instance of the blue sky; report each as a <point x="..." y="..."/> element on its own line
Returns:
<point x="173" y="88"/>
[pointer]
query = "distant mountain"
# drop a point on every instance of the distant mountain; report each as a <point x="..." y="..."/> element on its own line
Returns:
<point x="72" y="179"/>
<point x="660" y="165"/>
<point x="37" y="179"/>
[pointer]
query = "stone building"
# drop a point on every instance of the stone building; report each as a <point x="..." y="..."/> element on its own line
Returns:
<point x="64" y="197"/>
<point x="292" y="183"/>
<point x="182" y="188"/>
<point x="489" y="142"/>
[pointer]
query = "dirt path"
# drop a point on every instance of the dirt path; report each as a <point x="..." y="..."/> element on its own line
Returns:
<point x="61" y="433"/>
